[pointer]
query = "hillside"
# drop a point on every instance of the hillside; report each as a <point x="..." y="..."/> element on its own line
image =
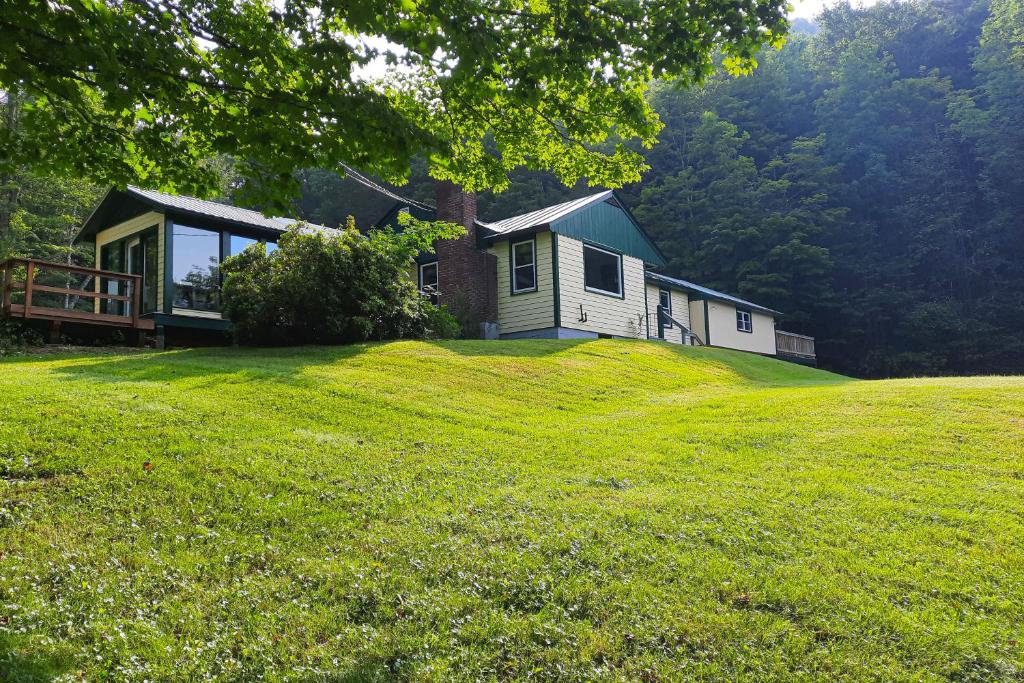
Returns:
<point x="474" y="510"/>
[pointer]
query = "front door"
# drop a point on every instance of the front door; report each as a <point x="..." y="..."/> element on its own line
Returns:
<point x="136" y="266"/>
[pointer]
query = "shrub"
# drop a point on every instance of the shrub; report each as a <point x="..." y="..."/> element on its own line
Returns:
<point x="334" y="287"/>
<point x="15" y="336"/>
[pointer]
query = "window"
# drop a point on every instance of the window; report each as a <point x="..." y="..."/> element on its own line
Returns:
<point x="744" y="323"/>
<point x="112" y="258"/>
<point x="524" y="267"/>
<point x="665" y="299"/>
<point x="428" y="280"/>
<point x="602" y="271"/>
<point x="196" y="268"/>
<point x="237" y="244"/>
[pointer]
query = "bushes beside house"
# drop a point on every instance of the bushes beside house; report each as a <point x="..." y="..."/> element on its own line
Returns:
<point x="335" y="287"/>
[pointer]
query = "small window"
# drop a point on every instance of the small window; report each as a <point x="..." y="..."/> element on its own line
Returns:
<point x="744" y="323"/>
<point x="428" y="280"/>
<point x="524" y="267"/>
<point x="602" y="271"/>
<point x="665" y="299"/>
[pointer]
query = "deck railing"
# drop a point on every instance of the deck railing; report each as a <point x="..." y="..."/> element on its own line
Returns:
<point x="791" y="344"/>
<point x="30" y="289"/>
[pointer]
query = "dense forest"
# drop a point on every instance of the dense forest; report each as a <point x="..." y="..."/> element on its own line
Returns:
<point x="866" y="180"/>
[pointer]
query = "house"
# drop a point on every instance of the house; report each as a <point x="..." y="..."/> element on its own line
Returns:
<point x="175" y="245"/>
<point x="579" y="269"/>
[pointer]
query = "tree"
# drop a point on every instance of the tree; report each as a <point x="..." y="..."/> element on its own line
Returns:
<point x="147" y="91"/>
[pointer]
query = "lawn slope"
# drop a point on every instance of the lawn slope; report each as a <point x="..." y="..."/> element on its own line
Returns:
<point x="470" y="510"/>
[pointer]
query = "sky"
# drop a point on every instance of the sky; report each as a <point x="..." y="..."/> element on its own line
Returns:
<point x="807" y="9"/>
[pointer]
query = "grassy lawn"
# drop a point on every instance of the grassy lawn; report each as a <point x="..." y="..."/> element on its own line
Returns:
<point x="474" y="510"/>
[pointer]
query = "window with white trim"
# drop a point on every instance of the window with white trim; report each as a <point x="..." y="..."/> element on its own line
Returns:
<point x="602" y="271"/>
<point x="428" y="280"/>
<point x="524" y="267"/>
<point x="744" y="323"/>
<point x="665" y="299"/>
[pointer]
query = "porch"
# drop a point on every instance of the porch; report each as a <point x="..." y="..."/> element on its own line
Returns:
<point x="61" y="293"/>
<point x="798" y="348"/>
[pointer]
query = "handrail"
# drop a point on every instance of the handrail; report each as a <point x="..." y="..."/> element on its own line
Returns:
<point x="794" y="344"/>
<point x="29" y="287"/>
<point x="686" y="330"/>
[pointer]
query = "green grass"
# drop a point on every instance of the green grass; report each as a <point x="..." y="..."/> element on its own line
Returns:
<point x="475" y="510"/>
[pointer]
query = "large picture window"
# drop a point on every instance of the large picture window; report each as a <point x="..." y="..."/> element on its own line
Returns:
<point x="196" y="268"/>
<point x="744" y="323"/>
<point x="524" y="267"/>
<point x="602" y="271"/>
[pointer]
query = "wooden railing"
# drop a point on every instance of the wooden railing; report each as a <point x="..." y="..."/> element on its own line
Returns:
<point x="790" y="344"/>
<point x="19" y="278"/>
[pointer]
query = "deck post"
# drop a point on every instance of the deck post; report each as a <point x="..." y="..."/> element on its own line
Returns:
<point x="55" y="332"/>
<point x="30" y="273"/>
<point x="160" y="342"/>
<point x="8" y="281"/>
<point x="136" y="300"/>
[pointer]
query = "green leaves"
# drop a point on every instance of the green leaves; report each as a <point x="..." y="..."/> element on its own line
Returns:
<point x="481" y="89"/>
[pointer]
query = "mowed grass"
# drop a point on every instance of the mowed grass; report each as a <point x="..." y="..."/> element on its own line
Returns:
<point x="517" y="510"/>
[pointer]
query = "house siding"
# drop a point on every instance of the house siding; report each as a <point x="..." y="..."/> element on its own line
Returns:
<point x="722" y="320"/>
<point x="621" y="317"/>
<point x="680" y="311"/>
<point x="529" y="310"/>
<point x="697" y="322"/>
<point x="130" y="227"/>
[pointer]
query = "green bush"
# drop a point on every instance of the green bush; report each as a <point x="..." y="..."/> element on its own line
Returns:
<point x="15" y="336"/>
<point x="334" y="287"/>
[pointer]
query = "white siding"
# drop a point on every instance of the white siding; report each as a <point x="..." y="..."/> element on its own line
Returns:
<point x="623" y="317"/>
<point x="680" y="311"/>
<point x="130" y="227"/>
<point x="697" y="319"/>
<point x="722" y="323"/>
<point x="529" y="310"/>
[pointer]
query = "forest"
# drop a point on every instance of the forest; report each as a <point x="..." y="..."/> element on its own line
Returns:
<point x="865" y="180"/>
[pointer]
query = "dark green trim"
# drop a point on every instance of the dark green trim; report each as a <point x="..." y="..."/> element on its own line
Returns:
<point x="196" y="323"/>
<point x="511" y="267"/>
<point x="707" y="324"/>
<point x="555" y="282"/>
<point x="622" y="274"/>
<point x="168" y="264"/>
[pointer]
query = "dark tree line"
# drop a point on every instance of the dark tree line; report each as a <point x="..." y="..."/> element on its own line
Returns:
<point x="867" y="180"/>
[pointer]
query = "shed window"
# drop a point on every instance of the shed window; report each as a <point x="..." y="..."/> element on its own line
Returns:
<point x="196" y="268"/>
<point x="602" y="271"/>
<point x="428" y="280"/>
<point x="524" y="267"/>
<point x="665" y="299"/>
<point x="744" y="323"/>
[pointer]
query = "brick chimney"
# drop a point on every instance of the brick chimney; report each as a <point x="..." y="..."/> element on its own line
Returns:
<point x="467" y="276"/>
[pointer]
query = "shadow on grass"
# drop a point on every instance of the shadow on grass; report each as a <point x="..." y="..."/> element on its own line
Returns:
<point x="290" y="364"/>
<point x="25" y="667"/>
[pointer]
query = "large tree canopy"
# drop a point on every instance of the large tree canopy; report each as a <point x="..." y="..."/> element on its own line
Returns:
<point x="147" y="90"/>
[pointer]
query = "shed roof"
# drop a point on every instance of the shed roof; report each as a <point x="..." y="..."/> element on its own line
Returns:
<point x="707" y="292"/>
<point x="118" y="203"/>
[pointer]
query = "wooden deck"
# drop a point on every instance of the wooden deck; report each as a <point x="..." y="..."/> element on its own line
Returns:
<point x="798" y="346"/>
<point x="24" y="296"/>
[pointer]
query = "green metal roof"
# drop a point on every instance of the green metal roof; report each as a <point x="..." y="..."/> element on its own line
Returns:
<point x="600" y="219"/>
